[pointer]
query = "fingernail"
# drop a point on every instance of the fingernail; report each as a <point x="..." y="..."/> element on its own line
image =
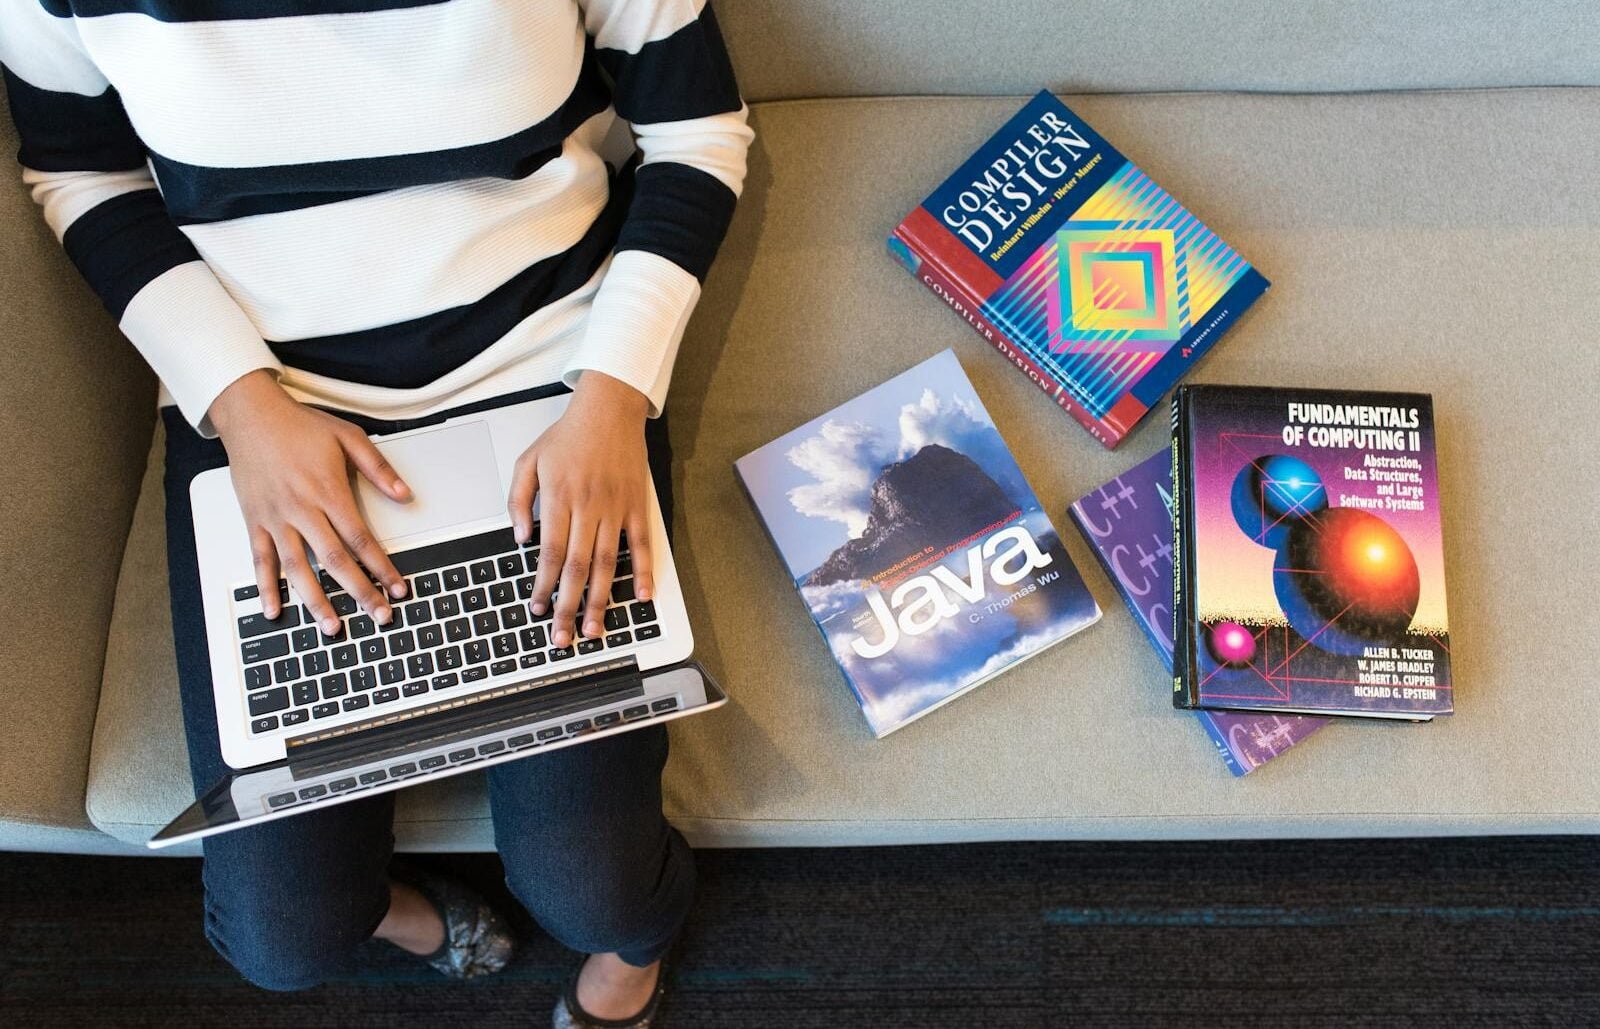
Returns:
<point x="401" y="490"/>
<point x="330" y="627"/>
<point x="520" y="532"/>
<point x="398" y="590"/>
<point x="592" y="629"/>
<point x="536" y="607"/>
<point x="384" y="615"/>
<point x="645" y="593"/>
<point x="562" y="639"/>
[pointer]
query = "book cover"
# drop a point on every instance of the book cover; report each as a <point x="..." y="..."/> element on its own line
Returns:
<point x="1310" y="553"/>
<point x="1085" y="274"/>
<point x="1128" y="523"/>
<point x="916" y="543"/>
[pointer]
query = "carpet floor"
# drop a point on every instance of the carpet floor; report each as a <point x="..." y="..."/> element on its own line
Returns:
<point x="1458" y="933"/>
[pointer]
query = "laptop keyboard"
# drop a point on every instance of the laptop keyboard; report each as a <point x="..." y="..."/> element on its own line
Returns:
<point x="465" y="618"/>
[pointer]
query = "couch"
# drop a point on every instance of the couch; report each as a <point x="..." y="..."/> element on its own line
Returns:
<point x="1416" y="179"/>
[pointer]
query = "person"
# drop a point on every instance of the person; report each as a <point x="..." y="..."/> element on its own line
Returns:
<point x="318" y="221"/>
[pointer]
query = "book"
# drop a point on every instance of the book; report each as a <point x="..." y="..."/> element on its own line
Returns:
<point x="1128" y="524"/>
<point x="1309" y="552"/>
<point x="1093" y="281"/>
<point x="916" y="543"/>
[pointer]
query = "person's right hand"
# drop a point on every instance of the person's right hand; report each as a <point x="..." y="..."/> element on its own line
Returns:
<point x="291" y="470"/>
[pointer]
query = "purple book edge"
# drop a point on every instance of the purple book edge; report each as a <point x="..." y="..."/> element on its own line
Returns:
<point x="1128" y="523"/>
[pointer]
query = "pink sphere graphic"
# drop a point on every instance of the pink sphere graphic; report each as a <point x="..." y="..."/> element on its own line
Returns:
<point x="1232" y="644"/>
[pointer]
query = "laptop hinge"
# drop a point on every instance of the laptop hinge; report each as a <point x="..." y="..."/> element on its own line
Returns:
<point x="519" y="701"/>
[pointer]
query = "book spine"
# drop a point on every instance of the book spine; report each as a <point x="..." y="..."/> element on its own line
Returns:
<point x="950" y="288"/>
<point x="1219" y="736"/>
<point x="1183" y="683"/>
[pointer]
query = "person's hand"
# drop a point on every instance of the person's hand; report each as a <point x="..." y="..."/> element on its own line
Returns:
<point x="291" y="470"/>
<point x="592" y="479"/>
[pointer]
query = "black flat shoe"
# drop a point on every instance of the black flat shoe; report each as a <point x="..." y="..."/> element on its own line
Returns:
<point x="569" y="1014"/>
<point x="477" y="941"/>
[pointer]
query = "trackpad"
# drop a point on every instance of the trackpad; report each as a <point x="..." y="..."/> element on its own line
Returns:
<point x="453" y="478"/>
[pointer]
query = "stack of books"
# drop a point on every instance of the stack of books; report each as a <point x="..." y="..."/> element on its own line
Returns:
<point x="1283" y="556"/>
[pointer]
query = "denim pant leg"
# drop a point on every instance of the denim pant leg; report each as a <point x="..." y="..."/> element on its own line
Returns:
<point x="587" y="849"/>
<point x="287" y="902"/>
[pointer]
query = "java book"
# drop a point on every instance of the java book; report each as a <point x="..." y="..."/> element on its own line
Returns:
<point x="1128" y="523"/>
<point x="1311" y="559"/>
<point x="916" y="543"/>
<point x="1085" y="274"/>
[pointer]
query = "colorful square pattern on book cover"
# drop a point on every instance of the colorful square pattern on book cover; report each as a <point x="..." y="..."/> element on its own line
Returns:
<point x="1128" y="523"/>
<point x="1102" y="287"/>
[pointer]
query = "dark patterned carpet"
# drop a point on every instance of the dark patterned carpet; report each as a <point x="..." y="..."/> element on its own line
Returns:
<point x="1458" y="933"/>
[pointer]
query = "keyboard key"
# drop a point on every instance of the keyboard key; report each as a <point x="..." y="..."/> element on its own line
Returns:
<point x="335" y="685"/>
<point x="376" y="775"/>
<point x="363" y="678"/>
<point x="505" y="644"/>
<point x="305" y="692"/>
<point x="391" y="672"/>
<point x="502" y="593"/>
<point x="608" y="719"/>
<point x="622" y="591"/>
<point x="324" y="710"/>
<point x="520" y="741"/>
<point x="560" y="653"/>
<point x="444" y="682"/>
<point x="295" y="717"/>
<point x="485" y="623"/>
<point x="548" y="734"/>
<point x="474" y="674"/>
<point x="525" y="588"/>
<point x="313" y="792"/>
<point x="264" y="648"/>
<point x="482" y="572"/>
<point x="533" y="638"/>
<point x="427" y="585"/>
<point x="260" y="625"/>
<point x="590" y="646"/>
<point x="428" y="764"/>
<point x="286" y="670"/>
<point x="624" y="565"/>
<point x="457" y="629"/>
<point x="345" y="655"/>
<point x="266" y="724"/>
<point x="619" y="639"/>
<point x="502" y="667"/>
<point x="340" y="785"/>
<point x="447" y="606"/>
<point x="418" y="611"/>
<point x="531" y="660"/>
<point x="373" y="650"/>
<point x="250" y="592"/>
<point x="257" y="677"/>
<point x="492" y="747"/>
<point x="419" y="666"/>
<point x="477" y="651"/>
<point x="647" y="632"/>
<point x="455" y="578"/>
<point x="356" y="702"/>
<point x="305" y="639"/>
<point x="581" y="725"/>
<point x="387" y="694"/>
<point x="448" y="658"/>
<point x="510" y="565"/>
<point x="616" y="618"/>
<point x="404" y="768"/>
<point x="474" y="600"/>
<point x="265" y="703"/>
<point x="642" y="611"/>
<point x="430" y="636"/>
<point x="361" y="626"/>
<point x="402" y="642"/>
<point x="637" y="711"/>
<point x="414" y="689"/>
<point x="664" y="704"/>
<point x="513" y="616"/>
<point x="457" y="756"/>
<point x="344" y="605"/>
<point x="397" y="620"/>
<point x="280" y="799"/>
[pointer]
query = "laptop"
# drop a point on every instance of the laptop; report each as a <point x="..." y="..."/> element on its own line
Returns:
<point x="463" y="678"/>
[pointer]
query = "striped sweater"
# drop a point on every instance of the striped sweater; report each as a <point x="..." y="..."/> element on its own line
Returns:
<point x="394" y="205"/>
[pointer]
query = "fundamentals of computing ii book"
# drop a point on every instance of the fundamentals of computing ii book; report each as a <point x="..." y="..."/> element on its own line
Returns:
<point x="1089" y="277"/>
<point x="917" y="545"/>
<point x="1310" y="554"/>
<point x="1128" y="522"/>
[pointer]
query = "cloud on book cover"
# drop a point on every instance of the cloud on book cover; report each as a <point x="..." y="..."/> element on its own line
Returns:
<point x="845" y="458"/>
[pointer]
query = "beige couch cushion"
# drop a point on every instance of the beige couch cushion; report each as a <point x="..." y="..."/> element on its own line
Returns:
<point x="1435" y="241"/>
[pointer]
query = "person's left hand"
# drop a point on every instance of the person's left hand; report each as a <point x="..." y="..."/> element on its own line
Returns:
<point x="591" y="475"/>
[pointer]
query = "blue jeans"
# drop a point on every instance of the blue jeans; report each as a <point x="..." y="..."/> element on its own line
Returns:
<point x="580" y="830"/>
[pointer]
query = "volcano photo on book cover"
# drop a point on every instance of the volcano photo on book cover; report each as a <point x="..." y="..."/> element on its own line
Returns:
<point x="916" y="543"/>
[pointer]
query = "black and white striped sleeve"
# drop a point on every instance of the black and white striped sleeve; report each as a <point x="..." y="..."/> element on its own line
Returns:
<point x="87" y="169"/>
<point x="673" y="82"/>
